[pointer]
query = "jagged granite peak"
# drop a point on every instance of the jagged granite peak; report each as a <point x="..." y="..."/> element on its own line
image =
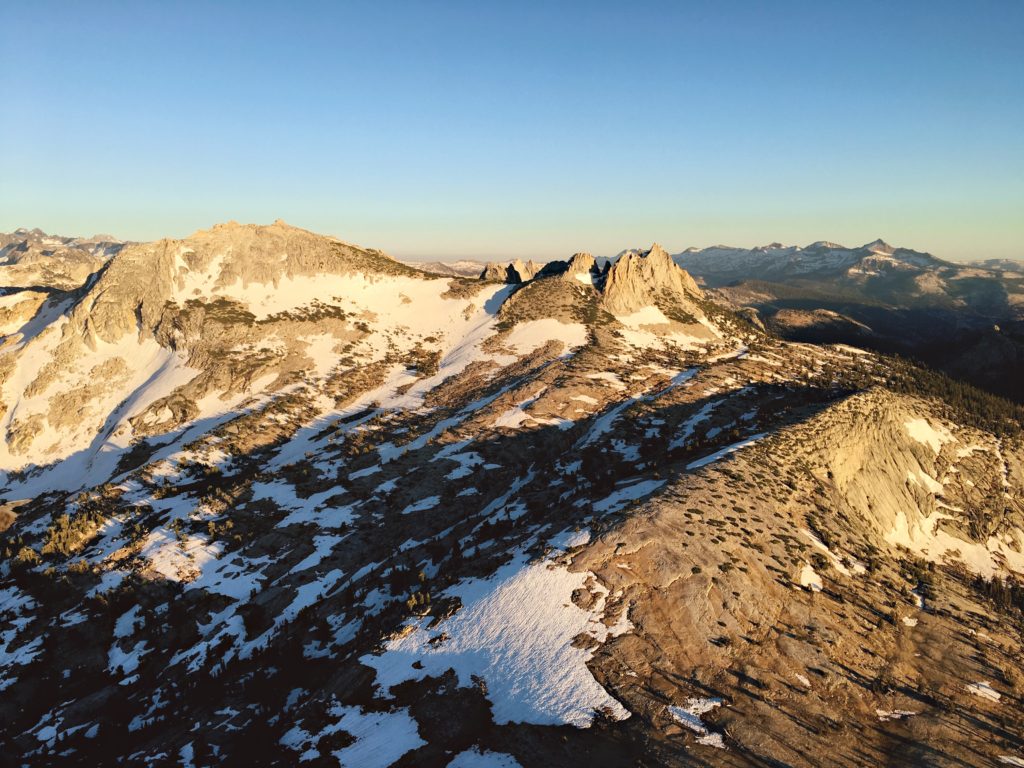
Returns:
<point x="501" y="273"/>
<point x="581" y="266"/>
<point x="514" y="272"/>
<point x="527" y="270"/>
<point x="638" y="279"/>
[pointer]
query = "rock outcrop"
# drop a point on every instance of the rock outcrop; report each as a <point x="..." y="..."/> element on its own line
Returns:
<point x="499" y="273"/>
<point x="640" y="279"/>
<point x="514" y="272"/>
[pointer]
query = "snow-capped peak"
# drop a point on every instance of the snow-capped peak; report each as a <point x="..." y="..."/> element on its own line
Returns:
<point x="881" y="247"/>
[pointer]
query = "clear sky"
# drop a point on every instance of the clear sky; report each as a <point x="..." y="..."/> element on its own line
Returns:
<point x="486" y="129"/>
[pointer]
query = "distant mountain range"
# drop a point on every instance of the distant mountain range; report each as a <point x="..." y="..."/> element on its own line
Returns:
<point x="967" y="319"/>
<point x="727" y="262"/>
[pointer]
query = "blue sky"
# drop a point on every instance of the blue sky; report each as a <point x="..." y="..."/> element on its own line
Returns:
<point x="468" y="129"/>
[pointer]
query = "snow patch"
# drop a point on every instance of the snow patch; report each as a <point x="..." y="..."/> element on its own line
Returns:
<point x="527" y="337"/>
<point x="725" y="451"/>
<point x="885" y="715"/>
<point x="984" y="690"/>
<point x="689" y="716"/>
<point x="515" y="630"/>
<point x="809" y="578"/>
<point x="474" y="758"/>
<point x="923" y="432"/>
<point x="380" y="738"/>
<point x="620" y="498"/>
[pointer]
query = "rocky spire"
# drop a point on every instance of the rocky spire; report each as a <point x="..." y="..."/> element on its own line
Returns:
<point x="502" y="273"/>
<point x="637" y="279"/>
<point x="515" y="272"/>
<point x="580" y="264"/>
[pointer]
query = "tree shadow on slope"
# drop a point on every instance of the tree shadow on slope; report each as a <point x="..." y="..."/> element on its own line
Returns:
<point x="375" y="537"/>
<point x="388" y="554"/>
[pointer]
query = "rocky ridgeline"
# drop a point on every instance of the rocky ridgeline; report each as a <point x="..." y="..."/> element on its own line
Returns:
<point x="636" y="279"/>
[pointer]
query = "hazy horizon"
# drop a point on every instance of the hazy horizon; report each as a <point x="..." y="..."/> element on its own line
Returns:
<point x="511" y="255"/>
<point x="460" y="131"/>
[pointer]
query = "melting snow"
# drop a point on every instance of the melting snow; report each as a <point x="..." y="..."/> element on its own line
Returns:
<point x="322" y="547"/>
<point x="524" y="338"/>
<point x="837" y="563"/>
<point x="177" y="560"/>
<point x="637" y="324"/>
<point x="516" y="415"/>
<point x="689" y="716"/>
<point x="885" y="715"/>
<point x="126" y="661"/>
<point x="608" y="376"/>
<point x="515" y="630"/>
<point x="620" y="498"/>
<point x="474" y="758"/>
<point x="313" y="509"/>
<point x="422" y="505"/>
<point x="569" y="539"/>
<point x="926" y="481"/>
<point x="725" y="451"/>
<point x="926" y="434"/>
<point x="984" y="690"/>
<point x="381" y="738"/>
<point x="988" y="558"/>
<point x="233" y="576"/>
<point x="125" y="626"/>
<point x="809" y="578"/>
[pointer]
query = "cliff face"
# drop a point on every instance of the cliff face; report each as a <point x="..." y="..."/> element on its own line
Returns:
<point x="639" y="279"/>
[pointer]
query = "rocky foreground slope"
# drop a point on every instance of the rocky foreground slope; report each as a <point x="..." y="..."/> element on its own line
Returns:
<point x="272" y="498"/>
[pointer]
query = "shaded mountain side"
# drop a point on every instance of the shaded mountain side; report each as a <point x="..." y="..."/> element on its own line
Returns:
<point x="882" y="298"/>
<point x="983" y="349"/>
